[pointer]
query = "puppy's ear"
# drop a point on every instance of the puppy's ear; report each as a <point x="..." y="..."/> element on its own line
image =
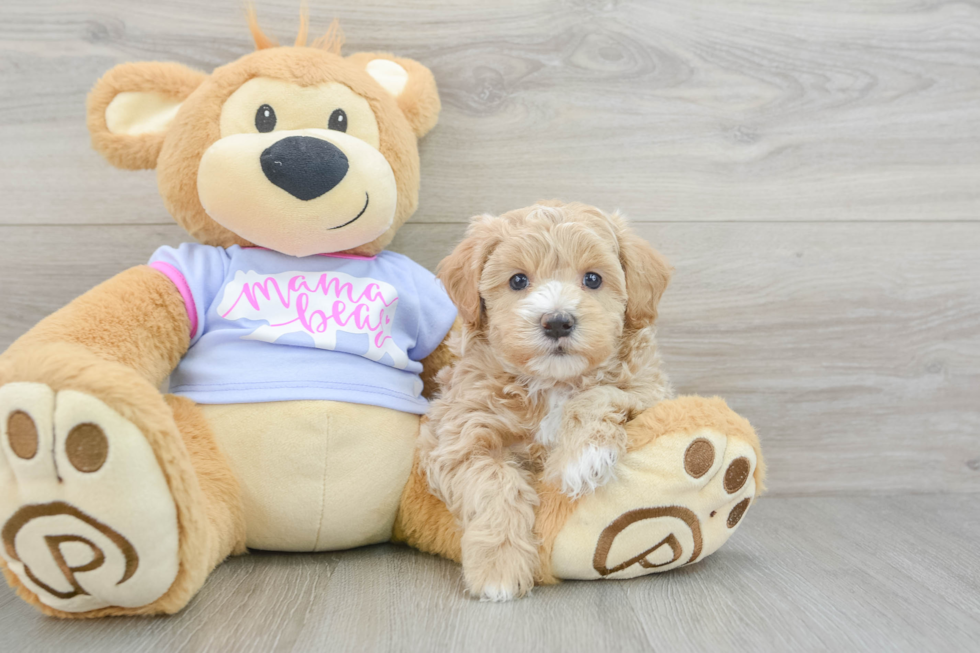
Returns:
<point x="647" y="275"/>
<point x="411" y="83"/>
<point x="460" y="272"/>
<point x="131" y="108"/>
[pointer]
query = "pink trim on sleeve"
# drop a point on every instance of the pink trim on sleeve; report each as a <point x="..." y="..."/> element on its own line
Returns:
<point x="178" y="280"/>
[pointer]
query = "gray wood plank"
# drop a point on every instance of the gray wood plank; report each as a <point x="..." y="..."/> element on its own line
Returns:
<point x="674" y="111"/>
<point x="838" y="574"/>
<point x="853" y="348"/>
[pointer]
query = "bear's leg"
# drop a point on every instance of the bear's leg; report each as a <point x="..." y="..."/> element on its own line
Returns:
<point x="692" y="469"/>
<point x="220" y="488"/>
<point x="423" y="522"/>
<point x="112" y="501"/>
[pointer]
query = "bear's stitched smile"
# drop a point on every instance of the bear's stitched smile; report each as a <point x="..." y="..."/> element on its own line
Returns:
<point x="367" y="200"/>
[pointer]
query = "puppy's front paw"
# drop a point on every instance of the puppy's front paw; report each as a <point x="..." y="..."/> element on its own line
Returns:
<point x="504" y="574"/>
<point x="506" y="592"/>
<point x="594" y="467"/>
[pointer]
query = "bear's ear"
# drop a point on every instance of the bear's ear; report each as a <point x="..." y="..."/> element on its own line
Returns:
<point x="411" y="83"/>
<point x="131" y="108"/>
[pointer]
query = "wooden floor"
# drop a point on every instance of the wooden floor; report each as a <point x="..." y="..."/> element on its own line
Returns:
<point x="803" y="574"/>
<point x="810" y="167"/>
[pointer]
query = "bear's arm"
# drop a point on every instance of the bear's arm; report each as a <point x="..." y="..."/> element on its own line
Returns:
<point x="441" y="357"/>
<point x="136" y="318"/>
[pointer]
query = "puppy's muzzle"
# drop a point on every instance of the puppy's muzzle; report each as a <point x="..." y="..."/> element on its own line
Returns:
<point x="557" y="325"/>
<point x="303" y="166"/>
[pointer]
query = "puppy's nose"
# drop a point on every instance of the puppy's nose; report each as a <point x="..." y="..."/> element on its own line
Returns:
<point x="558" y="325"/>
<point x="303" y="166"/>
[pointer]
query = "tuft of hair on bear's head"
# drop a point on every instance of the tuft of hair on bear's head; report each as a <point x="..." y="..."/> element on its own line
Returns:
<point x="332" y="40"/>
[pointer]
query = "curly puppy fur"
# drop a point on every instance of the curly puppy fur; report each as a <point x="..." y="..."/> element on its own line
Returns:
<point x="519" y="402"/>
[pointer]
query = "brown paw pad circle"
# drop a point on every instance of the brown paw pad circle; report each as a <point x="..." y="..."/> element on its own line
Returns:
<point x="699" y="457"/>
<point x="737" y="512"/>
<point x="22" y="435"/>
<point x="737" y="474"/>
<point x="87" y="447"/>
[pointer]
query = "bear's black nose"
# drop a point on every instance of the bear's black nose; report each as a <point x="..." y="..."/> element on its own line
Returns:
<point x="303" y="166"/>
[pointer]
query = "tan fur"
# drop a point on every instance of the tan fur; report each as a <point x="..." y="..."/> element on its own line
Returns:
<point x="331" y="41"/>
<point x="136" y="152"/>
<point x="419" y="100"/>
<point x="423" y="521"/>
<point x="442" y="356"/>
<point x="304" y="27"/>
<point x="461" y="270"/>
<point x="554" y="509"/>
<point x="136" y="318"/>
<point x="486" y="434"/>
<point x="258" y="36"/>
<point x="221" y="489"/>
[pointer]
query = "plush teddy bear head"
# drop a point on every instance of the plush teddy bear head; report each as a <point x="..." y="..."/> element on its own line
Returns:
<point x="295" y="149"/>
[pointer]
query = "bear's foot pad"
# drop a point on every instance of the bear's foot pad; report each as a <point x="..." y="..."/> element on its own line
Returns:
<point x="87" y="520"/>
<point x="676" y="500"/>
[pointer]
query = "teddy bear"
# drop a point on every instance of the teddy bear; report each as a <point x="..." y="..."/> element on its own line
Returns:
<point x="299" y="352"/>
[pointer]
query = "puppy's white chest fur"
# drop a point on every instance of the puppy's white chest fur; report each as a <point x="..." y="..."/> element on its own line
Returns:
<point x="547" y="433"/>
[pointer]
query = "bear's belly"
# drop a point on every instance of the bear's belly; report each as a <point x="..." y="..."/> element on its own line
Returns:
<point x="316" y="475"/>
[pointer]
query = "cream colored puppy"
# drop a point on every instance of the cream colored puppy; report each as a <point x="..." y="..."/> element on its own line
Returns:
<point x="556" y="354"/>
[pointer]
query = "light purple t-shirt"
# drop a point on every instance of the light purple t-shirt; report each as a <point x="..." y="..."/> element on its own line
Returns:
<point x="270" y="327"/>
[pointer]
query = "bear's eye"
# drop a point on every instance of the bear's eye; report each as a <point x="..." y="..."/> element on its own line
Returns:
<point x="518" y="281"/>
<point x="592" y="280"/>
<point x="338" y="120"/>
<point x="265" y="119"/>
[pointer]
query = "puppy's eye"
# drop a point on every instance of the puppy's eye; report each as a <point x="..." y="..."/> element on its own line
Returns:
<point x="518" y="281"/>
<point x="338" y="120"/>
<point x="592" y="280"/>
<point x="265" y="119"/>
